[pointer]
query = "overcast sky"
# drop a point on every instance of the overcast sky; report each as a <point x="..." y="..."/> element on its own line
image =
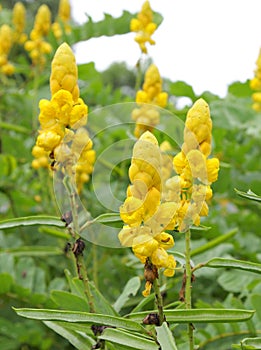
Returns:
<point x="206" y="43"/>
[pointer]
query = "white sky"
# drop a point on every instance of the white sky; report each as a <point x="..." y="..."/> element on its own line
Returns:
<point x="206" y="43"/>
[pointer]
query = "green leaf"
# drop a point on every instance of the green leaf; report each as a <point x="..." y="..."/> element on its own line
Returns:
<point x="240" y="89"/>
<point x="31" y="221"/>
<point x="88" y="318"/>
<point x="180" y="88"/>
<point x="33" y="251"/>
<point x="255" y="299"/>
<point x="249" y="344"/>
<point x="200" y="315"/>
<point x="111" y="219"/>
<point x="6" y="283"/>
<point x="248" y="195"/>
<point x="127" y="339"/>
<point x="52" y="232"/>
<point x="131" y="288"/>
<point x="213" y="243"/>
<point x="101" y="305"/>
<point x="234" y="264"/>
<point x="165" y="337"/>
<point x="69" y="301"/>
<point x="79" y="341"/>
<point x="15" y="127"/>
<point x="108" y="26"/>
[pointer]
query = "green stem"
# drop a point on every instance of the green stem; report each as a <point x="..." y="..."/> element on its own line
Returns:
<point x="188" y="288"/>
<point x="159" y="301"/>
<point x="82" y="273"/>
<point x="78" y="256"/>
<point x="139" y="75"/>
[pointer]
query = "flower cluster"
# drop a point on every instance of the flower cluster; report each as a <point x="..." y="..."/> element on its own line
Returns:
<point x="144" y="215"/>
<point x="144" y="26"/>
<point x="255" y="84"/>
<point x="19" y="19"/>
<point x="37" y="46"/>
<point x="6" y="42"/>
<point x="195" y="171"/>
<point x="61" y="137"/>
<point x="147" y="117"/>
<point x="63" y="18"/>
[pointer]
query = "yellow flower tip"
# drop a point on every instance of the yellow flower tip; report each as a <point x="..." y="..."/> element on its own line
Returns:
<point x="147" y="136"/>
<point x="64" y="12"/>
<point x="64" y="71"/>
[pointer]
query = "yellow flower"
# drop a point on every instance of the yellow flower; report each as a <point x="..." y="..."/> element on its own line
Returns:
<point x="144" y="26"/>
<point x="42" y="22"/>
<point x="48" y="140"/>
<point x="144" y="245"/>
<point x="19" y="18"/>
<point x="143" y="214"/>
<point x="132" y="211"/>
<point x="147" y="290"/>
<point x="255" y="84"/>
<point x="64" y="15"/>
<point x="170" y="269"/>
<point x="192" y="164"/>
<point x="147" y="117"/>
<point x="61" y="118"/>
<point x="212" y="169"/>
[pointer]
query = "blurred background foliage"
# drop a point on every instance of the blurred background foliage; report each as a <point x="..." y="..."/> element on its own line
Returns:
<point x="33" y="260"/>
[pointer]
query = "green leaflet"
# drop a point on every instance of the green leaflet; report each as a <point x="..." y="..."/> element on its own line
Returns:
<point x="165" y="337"/>
<point x="200" y="315"/>
<point x="235" y="264"/>
<point x="31" y="221"/>
<point x="33" y="251"/>
<point x="125" y="338"/>
<point x="249" y="195"/>
<point x="83" y="317"/>
<point x="131" y="288"/>
<point x="79" y="341"/>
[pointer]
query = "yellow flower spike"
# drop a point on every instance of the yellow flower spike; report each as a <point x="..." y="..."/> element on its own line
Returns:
<point x="64" y="72"/>
<point x="19" y="18"/>
<point x="144" y="26"/>
<point x="64" y="12"/>
<point x="6" y="39"/>
<point x="42" y="23"/>
<point x="64" y="15"/>
<point x="147" y="116"/>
